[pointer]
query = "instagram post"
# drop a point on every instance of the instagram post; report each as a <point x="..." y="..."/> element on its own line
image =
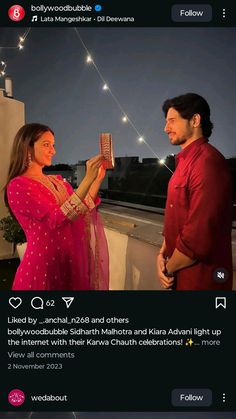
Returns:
<point x="117" y="210"/>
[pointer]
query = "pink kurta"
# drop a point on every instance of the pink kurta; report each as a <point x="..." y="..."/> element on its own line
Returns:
<point x="66" y="243"/>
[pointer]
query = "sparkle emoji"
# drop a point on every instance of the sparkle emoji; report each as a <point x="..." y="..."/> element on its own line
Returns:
<point x="189" y="342"/>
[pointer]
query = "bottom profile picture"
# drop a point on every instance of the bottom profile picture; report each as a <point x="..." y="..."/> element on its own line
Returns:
<point x="16" y="397"/>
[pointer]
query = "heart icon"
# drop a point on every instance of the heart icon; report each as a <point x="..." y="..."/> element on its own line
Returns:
<point x="15" y="302"/>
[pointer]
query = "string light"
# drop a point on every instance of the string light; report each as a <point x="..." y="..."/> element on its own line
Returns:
<point x="21" y="40"/>
<point x="124" y="118"/>
<point x="3" y="70"/>
<point x="19" y="46"/>
<point x="89" y="59"/>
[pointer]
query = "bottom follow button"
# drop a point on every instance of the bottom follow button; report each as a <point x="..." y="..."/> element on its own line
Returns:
<point x="186" y="397"/>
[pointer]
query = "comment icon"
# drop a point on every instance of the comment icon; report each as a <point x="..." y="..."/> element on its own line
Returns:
<point x="37" y="303"/>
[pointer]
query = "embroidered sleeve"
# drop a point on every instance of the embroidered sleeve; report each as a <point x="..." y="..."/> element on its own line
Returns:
<point x="89" y="202"/>
<point x="26" y="200"/>
<point x="73" y="206"/>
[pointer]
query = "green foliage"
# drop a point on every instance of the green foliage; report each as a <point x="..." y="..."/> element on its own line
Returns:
<point x="12" y="231"/>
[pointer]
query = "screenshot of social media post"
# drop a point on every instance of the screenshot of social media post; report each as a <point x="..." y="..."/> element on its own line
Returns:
<point x="117" y="352"/>
<point x="117" y="211"/>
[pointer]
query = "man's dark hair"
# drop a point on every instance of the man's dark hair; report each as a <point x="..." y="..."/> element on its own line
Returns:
<point x="188" y="105"/>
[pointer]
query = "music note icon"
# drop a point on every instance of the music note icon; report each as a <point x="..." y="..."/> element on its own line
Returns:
<point x="34" y="19"/>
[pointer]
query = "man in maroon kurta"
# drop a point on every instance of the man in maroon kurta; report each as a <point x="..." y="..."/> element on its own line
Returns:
<point x="196" y="253"/>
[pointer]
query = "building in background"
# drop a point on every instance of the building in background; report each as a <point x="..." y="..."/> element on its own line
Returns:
<point x="12" y="117"/>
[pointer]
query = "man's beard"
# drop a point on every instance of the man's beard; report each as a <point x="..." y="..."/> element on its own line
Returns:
<point x="178" y="141"/>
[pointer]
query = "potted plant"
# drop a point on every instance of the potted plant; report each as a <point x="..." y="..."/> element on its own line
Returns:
<point x="13" y="233"/>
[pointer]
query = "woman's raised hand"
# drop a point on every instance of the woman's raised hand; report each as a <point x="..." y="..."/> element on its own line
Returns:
<point x="92" y="167"/>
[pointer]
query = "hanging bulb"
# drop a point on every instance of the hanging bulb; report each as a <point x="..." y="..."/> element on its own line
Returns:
<point x="124" y="118"/>
<point x="89" y="59"/>
<point x="20" y="46"/>
<point x="162" y="162"/>
<point x="105" y="87"/>
<point x="141" y="139"/>
<point x="21" y="39"/>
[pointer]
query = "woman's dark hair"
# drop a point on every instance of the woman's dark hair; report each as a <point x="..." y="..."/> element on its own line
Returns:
<point x="22" y="145"/>
<point x="188" y="105"/>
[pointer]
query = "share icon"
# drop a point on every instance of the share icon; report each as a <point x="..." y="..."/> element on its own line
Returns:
<point x="68" y="301"/>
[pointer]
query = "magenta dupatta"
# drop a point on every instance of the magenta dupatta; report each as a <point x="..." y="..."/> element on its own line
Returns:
<point x="66" y="243"/>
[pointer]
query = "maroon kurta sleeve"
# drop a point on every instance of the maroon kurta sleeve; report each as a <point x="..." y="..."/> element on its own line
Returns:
<point x="209" y="190"/>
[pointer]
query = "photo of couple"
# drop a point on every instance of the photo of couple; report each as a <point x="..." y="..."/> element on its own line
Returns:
<point x="68" y="247"/>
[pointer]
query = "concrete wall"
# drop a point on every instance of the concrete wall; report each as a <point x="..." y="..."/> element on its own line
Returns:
<point x="12" y="117"/>
<point x="132" y="263"/>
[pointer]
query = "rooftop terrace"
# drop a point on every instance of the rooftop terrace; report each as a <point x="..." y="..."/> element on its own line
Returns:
<point x="134" y="237"/>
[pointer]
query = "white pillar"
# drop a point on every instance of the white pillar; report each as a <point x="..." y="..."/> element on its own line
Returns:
<point x="12" y="117"/>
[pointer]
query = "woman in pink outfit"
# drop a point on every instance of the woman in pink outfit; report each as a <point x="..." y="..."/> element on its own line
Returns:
<point x="66" y="243"/>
